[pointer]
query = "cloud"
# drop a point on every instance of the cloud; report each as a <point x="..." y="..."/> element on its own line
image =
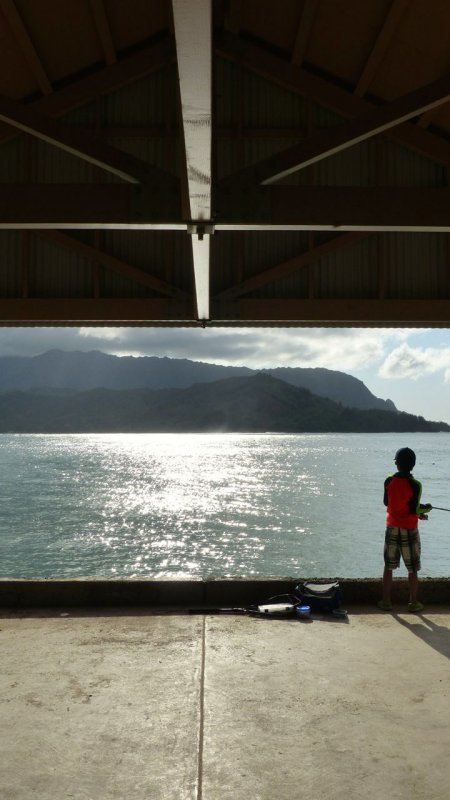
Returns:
<point x="341" y="349"/>
<point x="334" y="348"/>
<point x="416" y="362"/>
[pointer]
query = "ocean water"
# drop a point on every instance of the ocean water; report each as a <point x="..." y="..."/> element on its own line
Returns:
<point x="160" y="505"/>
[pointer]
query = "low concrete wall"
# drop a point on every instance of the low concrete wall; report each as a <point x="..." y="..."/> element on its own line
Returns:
<point x="195" y="593"/>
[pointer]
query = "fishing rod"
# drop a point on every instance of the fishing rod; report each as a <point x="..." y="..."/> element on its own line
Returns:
<point x="438" y="508"/>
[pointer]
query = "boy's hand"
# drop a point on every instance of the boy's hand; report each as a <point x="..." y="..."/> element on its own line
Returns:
<point x="423" y="516"/>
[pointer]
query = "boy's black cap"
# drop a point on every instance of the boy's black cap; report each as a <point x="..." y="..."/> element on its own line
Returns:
<point x="405" y="458"/>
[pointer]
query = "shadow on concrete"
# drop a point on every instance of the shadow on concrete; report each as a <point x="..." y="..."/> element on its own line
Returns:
<point x="436" y="636"/>
<point x="142" y="611"/>
<point x="88" y="611"/>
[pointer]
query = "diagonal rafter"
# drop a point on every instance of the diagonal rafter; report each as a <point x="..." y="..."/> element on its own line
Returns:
<point x="103" y="30"/>
<point x="339" y="138"/>
<point x="23" y="39"/>
<point x="292" y="265"/>
<point x="89" y="87"/>
<point x="80" y="144"/>
<point x="193" y="35"/>
<point x="325" y="93"/>
<point x="382" y="42"/>
<point x="112" y="263"/>
<point x="304" y="29"/>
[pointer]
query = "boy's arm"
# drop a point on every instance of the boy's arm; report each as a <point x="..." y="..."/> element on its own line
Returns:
<point x="385" y="496"/>
<point x="423" y="510"/>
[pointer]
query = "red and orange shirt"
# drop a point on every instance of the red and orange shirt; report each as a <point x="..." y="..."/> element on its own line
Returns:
<point x="402" y="495"/>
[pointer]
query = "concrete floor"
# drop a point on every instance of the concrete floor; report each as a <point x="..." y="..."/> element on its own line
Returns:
<point x="108" y="705"/>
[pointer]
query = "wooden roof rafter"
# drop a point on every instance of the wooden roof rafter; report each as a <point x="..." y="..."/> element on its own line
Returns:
<point x="104" y="31"/>
<point x="304" y="29"/>
<point x="80" y="144"/>
<point x="335" y="140"/>
<point x="125" y="269"/>
<point x="382" y="42"/>
<point x="87" y="88"/>
<point x="23" y="39"/>
<point x="392" y="191"/>
<point x="291" y="265"/>
<point x="326" y="93"/>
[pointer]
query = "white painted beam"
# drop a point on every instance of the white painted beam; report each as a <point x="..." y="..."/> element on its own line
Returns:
<point x="193" y="36"/>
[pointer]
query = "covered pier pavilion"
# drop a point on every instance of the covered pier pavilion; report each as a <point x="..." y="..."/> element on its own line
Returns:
<point x="223" y="163"/>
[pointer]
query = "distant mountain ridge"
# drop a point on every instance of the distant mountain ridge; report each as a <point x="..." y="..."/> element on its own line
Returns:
<point x="80" y="371"/>
<point x="256" y="404"/>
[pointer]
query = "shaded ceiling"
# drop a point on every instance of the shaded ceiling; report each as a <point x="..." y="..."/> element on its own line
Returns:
<point x="227" y="163"/>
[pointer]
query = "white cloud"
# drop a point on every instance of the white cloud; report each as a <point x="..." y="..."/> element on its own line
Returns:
<point x="100" y="334"/>
<point x="416" y="362"/>
<point x="334" y="348"/>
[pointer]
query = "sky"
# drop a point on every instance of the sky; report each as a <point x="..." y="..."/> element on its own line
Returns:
<point x="411" y="367"/>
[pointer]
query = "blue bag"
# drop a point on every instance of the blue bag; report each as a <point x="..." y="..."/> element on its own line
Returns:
<point x="319" y="596"/>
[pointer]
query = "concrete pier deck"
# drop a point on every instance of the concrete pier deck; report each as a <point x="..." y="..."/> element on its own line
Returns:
<point x="115" y="703"/>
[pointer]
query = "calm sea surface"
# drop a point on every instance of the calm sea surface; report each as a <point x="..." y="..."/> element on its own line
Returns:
<point x="159" y="505"/>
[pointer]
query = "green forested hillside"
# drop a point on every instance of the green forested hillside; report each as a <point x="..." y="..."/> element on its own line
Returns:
<point x="254" y="404"/>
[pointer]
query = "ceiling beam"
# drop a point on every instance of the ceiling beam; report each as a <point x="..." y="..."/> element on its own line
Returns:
<point x="23" y="39"/>
<point x="348" y="208"/>
<point x="80" y="144"/>
<point x="344" y="208"/>
<point x="104" y="31"/>
<point x="355" y="312"/>
<point x="327" y="94"/>
<point x="112" y="263"/>
<point x="279" y="271"/>
<point x="90" y="311"/>
<point x="193" y="36"/>
<point x="89" y="206"/>
<point x="338" y="138"/>
<point x="104" y="81"/>
<point x="382" y="42"/>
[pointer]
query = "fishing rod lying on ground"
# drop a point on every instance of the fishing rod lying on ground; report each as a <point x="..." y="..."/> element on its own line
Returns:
<point x="309" y="597"/>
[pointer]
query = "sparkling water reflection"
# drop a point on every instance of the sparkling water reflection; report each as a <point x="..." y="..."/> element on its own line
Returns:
<point x="212" y="504"/>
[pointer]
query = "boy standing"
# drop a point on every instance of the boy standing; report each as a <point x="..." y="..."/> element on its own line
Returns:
<point x="402" y="493"/>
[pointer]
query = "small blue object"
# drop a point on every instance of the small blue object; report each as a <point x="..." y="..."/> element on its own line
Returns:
<point x="302" y="611"/>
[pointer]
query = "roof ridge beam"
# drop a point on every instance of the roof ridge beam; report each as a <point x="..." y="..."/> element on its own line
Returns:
<point x="193" y="36"/>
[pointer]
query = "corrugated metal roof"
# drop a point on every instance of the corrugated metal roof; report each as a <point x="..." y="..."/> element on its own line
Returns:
<point x="280" y="80"/>
<point x="417" y="265"/>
